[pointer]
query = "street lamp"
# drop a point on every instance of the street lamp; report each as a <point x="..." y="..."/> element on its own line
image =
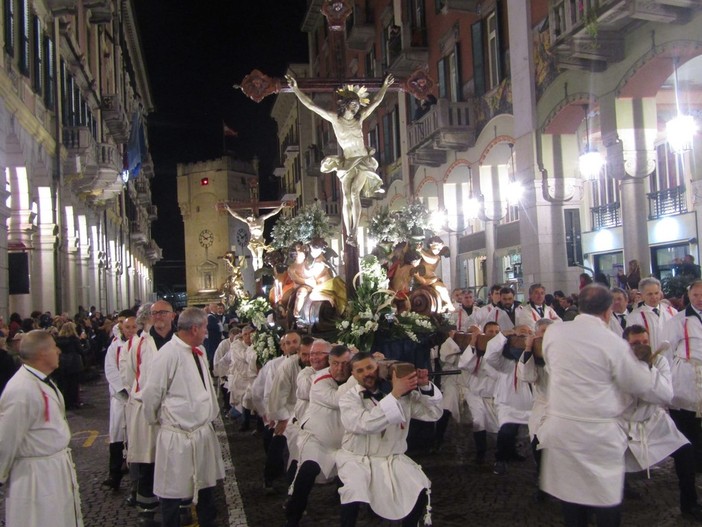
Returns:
<point x="680" y="129"/>
<point x="590" y="162"/>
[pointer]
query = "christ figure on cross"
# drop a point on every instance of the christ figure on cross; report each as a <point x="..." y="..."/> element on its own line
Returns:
<point x="356" y="168"/>
<point x="256" y="224"/>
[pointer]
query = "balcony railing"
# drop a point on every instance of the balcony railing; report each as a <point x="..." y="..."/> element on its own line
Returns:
<point x="447" y="126"/>
<point x="606" y="216"/>
<point x="567" y="16"/>
<point x="666" y="202"/>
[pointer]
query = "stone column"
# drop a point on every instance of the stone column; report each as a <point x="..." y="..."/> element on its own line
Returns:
<point x="44" y="266"/>
<point x="4" y="265"/>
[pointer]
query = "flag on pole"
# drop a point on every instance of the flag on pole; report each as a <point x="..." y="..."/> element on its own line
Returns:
<point x="228" y="132"/>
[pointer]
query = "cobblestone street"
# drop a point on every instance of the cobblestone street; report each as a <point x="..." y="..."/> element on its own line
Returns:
<point x="462" y="494"/>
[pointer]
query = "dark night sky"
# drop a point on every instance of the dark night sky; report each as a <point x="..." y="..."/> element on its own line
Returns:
<point x="194" y="53"/>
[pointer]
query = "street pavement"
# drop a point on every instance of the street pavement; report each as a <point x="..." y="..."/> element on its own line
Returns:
<point x="462" y="493"/>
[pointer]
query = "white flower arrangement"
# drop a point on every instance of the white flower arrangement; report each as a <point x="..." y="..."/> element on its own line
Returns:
<point x="254" y="311"/>
<point x="372" y="311"/>
<point x="265" y="344"/>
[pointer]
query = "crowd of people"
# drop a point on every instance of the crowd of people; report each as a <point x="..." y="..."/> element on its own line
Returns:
<point x="605" y="382"/>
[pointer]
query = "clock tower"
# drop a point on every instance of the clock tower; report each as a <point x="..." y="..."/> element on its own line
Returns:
<point x="209" y="232"/>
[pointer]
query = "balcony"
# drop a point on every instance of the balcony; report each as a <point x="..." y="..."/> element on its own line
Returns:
<point x="313" y="159"/>
<point x="143" y="192"/>
<point x="331" y="208"/>
<point x="407" y="52"/>
<point x="291" y="150"/>
<point x="152" y="212"/>
<point x="589" y="34"/>
<point x="153" y="252"/>
<point x="82" y="151"/>
<point x="459" y="6"/>
<point x="666" y="202"/>
<point x="360" y="32"/>
<point x="62" y="7"/>
<point x="137" y="234"/>
<point x="447" y="126"/>
<point x="115" y="118"/>
<point x="606" y="216"/>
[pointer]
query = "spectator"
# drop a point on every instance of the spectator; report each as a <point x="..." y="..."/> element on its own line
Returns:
<point x="601" y="278"/>
<point x="634" y="276"/>
<point x="15" y="324"/>
<point x="8" y="366"/>
<point x="585" y="279"/>
<point x="70" y="365"/>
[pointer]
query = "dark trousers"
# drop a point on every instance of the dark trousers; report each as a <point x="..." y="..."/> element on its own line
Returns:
<point x="304" y="481"/>
<point x="441" y="426"/>
<point x="116" y="459"/>
<point x="205" y="508"/>
<point x="275" y="459"/>
<point x="537" y="455"/>
<point x="684" y="458"/>
<point x="349" y="512"/>
<point x="507" y="442"/>
<point x="689" y="426"/>
<point x="480" y="440"/>
<point x="145" y="487"/>
<point x="575" y="515"/>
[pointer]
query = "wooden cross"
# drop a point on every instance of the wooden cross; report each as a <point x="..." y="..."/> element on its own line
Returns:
<point x="257" y="86"/>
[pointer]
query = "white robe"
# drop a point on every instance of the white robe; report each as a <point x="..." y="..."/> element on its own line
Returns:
<point x="242" y="374"/>
<point x="118" y="401"/>
<point x="654" y="324"/>
<point x="282" y="400"/>
<point x="463" y="320"/>
<point x="490" y="313"/>
<point x="371" y="462"/>
<point x="480" y="395"/>
<point x="321" y="429"/>
<point x="525" y="315"/>
<point x="35" y="461"/>
<point x="222" y="359"/>
<point x="592" y="374"/>
<point x="141" y="435"/>
<point x="651" y="434"/>
<point x="302" y="392"/>
<point x="537" y="376"/>
<point x="513" y="398"/>
<point x="685" y="360"/>
<point x="188" y="455"/>
<point x="453" y="387"/>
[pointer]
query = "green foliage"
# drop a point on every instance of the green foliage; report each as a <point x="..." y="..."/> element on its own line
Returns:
<point x="311" y="222"/>
<point x="676" y="286"/>
<point x="409" y="223"/>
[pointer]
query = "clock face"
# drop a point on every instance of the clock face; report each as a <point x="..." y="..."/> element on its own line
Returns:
<point x="206" y="238"/>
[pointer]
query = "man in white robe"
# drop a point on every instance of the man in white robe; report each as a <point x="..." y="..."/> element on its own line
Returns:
<point x="141" y="434"/>
<point x="179" y="396"/>
<point x="492" y="312"/>
<point x="321" y="430"/>
<point x="243" y="371"/>
<point x="372" y="464"/>
<point x="652" y="435"/>
<point x="480" y="395"/>
<point x="513" y="398"/>
<point x="35" y="461"/>
<point x="222" y="364"/>
<point x="653" y="314"/>
<point x="283" y="400"/>
<point x="619" y="311"/>
<point x="592" y="374"/>
<point x="527" y="314"/>
<point x="684" y="333"/>
<point x="119" y="395"/>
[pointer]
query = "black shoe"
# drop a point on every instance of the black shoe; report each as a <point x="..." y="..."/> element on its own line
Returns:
<point x="111" y="483"/>
<point x="146" y="519"/>
<point x="500" y="468"/>
<point x="694" y="513"/>
<point x="130" y="501"/>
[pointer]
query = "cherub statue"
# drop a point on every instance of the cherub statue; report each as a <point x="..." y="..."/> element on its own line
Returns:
<point x="356" y="168"/>
<point x="427" y="272"/>
<point x="256" y="226"/>
<point x="233" y="286"/>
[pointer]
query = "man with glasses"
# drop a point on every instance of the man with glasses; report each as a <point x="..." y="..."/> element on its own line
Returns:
<point x="141" y="435"/>
<point x="180" y="397"/>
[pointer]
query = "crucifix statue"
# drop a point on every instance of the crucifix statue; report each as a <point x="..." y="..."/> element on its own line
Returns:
<point x="256" y="224"/>
<point x="356" y="167"/>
